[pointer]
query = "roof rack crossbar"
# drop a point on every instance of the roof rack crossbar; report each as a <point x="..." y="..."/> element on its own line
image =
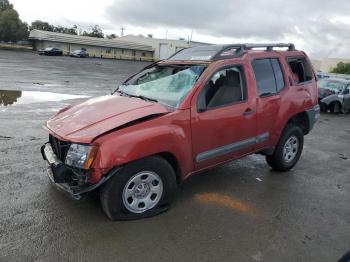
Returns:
<point x="242" y="48"/>
<point x="290" y="46"/>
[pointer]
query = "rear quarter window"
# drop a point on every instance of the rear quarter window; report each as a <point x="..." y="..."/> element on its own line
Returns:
<point x="300" y="68"/>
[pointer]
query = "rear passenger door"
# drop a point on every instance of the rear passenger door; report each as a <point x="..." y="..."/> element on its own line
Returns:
<point x="269" y="82"/>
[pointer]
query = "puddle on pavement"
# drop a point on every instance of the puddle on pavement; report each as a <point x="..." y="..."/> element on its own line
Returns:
<point x="11" y="97"/>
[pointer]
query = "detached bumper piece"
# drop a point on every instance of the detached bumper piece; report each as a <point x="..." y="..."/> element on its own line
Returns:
<point x="69" y="180"/>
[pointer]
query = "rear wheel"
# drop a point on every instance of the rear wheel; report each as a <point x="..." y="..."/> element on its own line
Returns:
<point x="335" y="108"/>
<point x="288" y="149"/>
<point x="141" y="189"/>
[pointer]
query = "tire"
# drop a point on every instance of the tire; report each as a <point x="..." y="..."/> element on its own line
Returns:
<point x="284" y="157"/>
<point x="323" y="107"/>
<point x="335" y="108"/>
<point x="143" y="188"/>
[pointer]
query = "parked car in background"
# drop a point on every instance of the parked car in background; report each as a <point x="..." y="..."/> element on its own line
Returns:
<point x="200" y="108"/>
<point x="334" y="95"/>
<point x="322" y="75"/>
<point x="53" y="51"/>
<point x="80" y="53"/>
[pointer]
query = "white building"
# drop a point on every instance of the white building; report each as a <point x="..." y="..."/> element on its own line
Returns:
<point x="163" y="48"/>
<point x="96" y="47"/>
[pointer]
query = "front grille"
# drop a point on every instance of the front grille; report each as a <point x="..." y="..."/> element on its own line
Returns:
<point x="59" y="147"/>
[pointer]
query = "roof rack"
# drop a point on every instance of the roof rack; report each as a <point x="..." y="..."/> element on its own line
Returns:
<point x="220" y="52"/>
<point x="241" y="49"/>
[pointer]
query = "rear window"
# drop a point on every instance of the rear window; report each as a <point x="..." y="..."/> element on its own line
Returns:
<point x="301" y="70"/>
<point x="268" y="75"/>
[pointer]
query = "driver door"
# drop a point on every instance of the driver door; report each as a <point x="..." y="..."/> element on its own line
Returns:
<point x="223" y="121"/>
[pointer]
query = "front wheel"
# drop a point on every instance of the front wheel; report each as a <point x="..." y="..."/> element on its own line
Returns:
<point x="288" y="149"/>
<point x="140" y="189"/>
<point x="323" y="107"/>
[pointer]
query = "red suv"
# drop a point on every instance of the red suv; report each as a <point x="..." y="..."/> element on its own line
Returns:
<point x="200" y="108"/>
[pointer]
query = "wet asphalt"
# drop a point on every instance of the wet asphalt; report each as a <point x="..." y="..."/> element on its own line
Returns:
<point x="242" y="211"/>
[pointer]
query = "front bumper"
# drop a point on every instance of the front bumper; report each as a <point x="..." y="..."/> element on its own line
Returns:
<point x="66" y="178"/>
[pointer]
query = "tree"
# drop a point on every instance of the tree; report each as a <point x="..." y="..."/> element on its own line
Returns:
<point x="11" y="27"/>
<point x="65" y="30"/>
<point x="40" y="25"/>
<point x="111" y="36"/>
<point x="4" y="5"/>
<point x="96" y="31"/>
<point x="45" y="26"/>
<point x="342" y="68"/>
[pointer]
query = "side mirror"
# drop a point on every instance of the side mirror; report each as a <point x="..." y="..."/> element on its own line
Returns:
<point x="346" y="91"/>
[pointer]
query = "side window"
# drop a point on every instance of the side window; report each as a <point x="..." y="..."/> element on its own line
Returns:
<point x="225" y="87"/>
<point x="301" y="70"/>
<point x="268" y="75"/>
<point x="278" y="74"/>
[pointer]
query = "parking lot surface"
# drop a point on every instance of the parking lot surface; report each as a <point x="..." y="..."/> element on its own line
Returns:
<point x="242" y="211"/>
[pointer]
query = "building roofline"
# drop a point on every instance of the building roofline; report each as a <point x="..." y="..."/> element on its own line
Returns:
<point x="155" y="38"/>
<point x="86" y="40"/>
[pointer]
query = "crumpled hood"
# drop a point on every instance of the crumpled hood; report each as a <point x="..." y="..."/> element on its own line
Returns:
<point x="324" y="92"/>
<point x="81" y="123"/>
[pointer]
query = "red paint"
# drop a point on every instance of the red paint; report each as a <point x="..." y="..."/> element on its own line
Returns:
<point x="184" y="133"/>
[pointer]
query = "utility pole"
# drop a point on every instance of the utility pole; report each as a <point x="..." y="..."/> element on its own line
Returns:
<point x="122" y="31"/>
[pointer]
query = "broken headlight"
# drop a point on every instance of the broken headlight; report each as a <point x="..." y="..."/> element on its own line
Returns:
<point x="81" y="156"/>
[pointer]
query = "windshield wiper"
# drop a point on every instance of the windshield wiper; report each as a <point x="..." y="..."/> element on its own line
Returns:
<point x="146" y="98"/>
<point x="141" y="97"/>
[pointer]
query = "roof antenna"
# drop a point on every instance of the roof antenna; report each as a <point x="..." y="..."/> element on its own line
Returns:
<point x="122" y="31"/>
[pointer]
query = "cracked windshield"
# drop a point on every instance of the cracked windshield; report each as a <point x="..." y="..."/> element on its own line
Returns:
<point x="166" y="84"/>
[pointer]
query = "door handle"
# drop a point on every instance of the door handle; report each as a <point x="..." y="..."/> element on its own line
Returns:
<point x="248" y="112"/>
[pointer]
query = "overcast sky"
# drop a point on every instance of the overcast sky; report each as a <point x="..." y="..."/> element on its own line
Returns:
<point x="321" y="28"/>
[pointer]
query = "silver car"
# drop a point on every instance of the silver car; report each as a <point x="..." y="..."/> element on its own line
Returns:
<point x="80" y="53"/>
<point x="334" y="95"/>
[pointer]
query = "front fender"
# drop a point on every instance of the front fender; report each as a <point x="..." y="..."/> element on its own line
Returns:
<point x="169" y="133"/>
<point x="332" y="98"/>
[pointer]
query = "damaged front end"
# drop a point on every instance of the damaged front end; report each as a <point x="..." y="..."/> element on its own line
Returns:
<point x="69" y="171"/>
